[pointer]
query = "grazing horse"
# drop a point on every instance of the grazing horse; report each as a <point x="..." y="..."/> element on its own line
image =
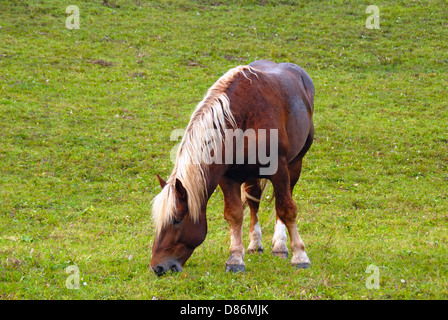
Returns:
<point x="254" y="124"/>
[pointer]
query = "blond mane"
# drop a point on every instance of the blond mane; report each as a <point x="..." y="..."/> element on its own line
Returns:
<point x="204" y="131"/>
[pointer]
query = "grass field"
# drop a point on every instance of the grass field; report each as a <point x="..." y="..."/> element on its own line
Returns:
<point x="85" y="122"/>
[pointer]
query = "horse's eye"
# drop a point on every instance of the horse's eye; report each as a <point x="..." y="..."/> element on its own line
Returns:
<point x="175" y="222"/>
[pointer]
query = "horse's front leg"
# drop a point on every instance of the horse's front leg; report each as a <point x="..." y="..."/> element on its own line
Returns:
<point x="233" y="213"/>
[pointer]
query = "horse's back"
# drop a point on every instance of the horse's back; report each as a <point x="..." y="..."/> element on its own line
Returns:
<point x="295" y="78"/>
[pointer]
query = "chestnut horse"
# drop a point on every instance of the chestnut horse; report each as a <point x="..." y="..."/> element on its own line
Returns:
<point x="270" y="106"/>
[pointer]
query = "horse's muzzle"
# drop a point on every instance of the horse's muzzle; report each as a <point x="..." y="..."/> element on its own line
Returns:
<point x="163" y="268"/>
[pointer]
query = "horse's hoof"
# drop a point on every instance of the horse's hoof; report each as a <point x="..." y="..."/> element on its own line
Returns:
<point x="281" y="254"/>
<point x="301" y="265"/>
<point x="235" y="268"/>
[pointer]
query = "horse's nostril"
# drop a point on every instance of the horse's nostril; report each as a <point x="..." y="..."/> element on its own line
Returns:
<point x="163" y="268"/>
<point x="159" y="270"/>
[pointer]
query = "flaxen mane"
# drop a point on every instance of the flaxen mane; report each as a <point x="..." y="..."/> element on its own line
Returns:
<point x="205" y="132"/>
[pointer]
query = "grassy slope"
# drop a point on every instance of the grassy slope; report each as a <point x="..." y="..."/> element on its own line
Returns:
<point x="81" y="142"/>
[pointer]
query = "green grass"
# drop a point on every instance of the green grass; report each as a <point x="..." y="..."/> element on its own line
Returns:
<point x="81" y="143"/>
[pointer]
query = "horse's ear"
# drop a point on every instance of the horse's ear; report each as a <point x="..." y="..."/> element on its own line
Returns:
<point x="161" y="181"/>
<point x="180" y="190"/>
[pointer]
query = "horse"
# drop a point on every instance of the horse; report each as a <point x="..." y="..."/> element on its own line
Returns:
<point x="263" y="104"/>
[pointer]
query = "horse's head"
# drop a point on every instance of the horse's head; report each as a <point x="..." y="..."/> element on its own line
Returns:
<point x="176" y="237"/>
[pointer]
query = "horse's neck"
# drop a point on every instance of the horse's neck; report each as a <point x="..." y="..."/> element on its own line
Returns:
<point x="215" y="173"/>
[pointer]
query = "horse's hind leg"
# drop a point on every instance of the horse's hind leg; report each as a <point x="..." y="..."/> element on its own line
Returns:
<point x="233" y="213"/>
<point x="279" y="247"/>
<point x="283" y="181"/>
<point x="252" y="194"/>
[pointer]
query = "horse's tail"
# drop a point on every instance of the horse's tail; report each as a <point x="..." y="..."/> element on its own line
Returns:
<point x="246" y="196"/>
